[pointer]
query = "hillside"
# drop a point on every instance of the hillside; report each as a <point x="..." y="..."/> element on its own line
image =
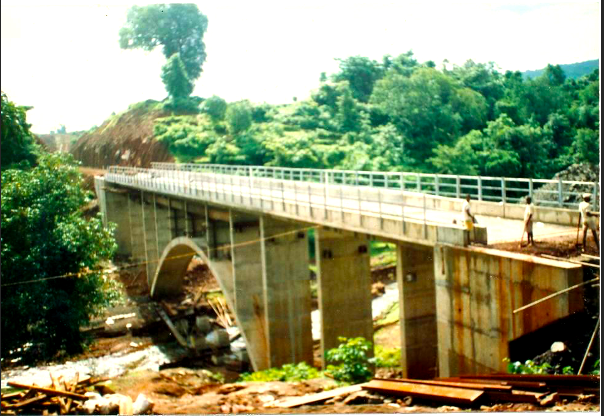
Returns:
<point x="124" y="139"/>
<point x="573" y="71"/>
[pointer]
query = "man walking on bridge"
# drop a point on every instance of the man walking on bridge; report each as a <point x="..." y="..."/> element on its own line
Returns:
<point x="588" y="219"/>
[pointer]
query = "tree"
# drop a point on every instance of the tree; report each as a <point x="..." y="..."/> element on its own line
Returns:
<point x="17" y="141"/>
<point x="215" y="107"/>
<point x="46" y="243"/>
<point x="239" y="117"/>
<point x="175" y="79"/>
<point x="178" y="28"/>
<point x="361" y="74"/>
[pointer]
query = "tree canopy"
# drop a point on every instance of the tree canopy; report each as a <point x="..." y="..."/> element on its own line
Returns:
<point x="177" y="28"/>
<point x="18" y="145"/>
<point x="46" y="243"/>
<point x="399" y="114"/>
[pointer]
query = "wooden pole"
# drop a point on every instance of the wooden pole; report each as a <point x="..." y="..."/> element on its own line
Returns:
<point x="593" y="336"/>
<point x="554" y="295"/>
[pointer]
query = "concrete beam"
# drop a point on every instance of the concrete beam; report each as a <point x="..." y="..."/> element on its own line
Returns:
<point x="286" y="283"/>
<point x="417" y="305"/>
<point x="344" y="282"/>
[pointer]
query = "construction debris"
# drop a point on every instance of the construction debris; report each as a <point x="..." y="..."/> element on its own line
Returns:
<point x="62" y="397"/>
<point x="467" y="391"/>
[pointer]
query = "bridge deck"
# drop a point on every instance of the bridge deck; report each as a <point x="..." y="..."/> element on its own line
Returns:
<point x="372" y="210"/>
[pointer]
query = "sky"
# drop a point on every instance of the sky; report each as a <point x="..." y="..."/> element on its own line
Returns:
<point x="64" y="59"/>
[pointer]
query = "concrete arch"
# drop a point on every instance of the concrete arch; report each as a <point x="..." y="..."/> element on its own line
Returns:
<point x="173" y="263"/>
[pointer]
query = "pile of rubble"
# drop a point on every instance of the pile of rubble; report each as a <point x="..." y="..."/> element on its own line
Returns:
<point x="80" y="396"/>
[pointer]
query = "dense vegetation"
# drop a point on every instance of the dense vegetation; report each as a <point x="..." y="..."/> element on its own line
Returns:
<point x="400" y="114"/>
<point x="50" y="252"/>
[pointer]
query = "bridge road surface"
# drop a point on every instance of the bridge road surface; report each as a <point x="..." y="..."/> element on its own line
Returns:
<point x="274" y="191"/>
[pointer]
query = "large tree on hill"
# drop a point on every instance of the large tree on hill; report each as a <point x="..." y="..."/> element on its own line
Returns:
<point x="175" y="79"/>
<point x="178" y="28"/>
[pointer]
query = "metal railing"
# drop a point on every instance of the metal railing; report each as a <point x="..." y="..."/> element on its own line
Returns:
<point x="331" y="200"/>
<point x="544" y="192"/>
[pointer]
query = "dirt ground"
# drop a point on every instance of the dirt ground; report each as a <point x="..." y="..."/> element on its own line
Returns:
<point x="565" y="246"/>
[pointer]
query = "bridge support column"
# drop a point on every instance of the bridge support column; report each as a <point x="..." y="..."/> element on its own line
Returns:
<point x="117" y="212"/>
<point x="344" y="281"/>
<point x="249" y="291"/>
<point x="417" y="305"/>
<point x="286" y="287"/>
<point x="151" y="237"/>
<point x="137" y="228"/>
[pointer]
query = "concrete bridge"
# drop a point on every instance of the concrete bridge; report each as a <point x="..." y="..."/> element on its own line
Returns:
<point x="251" y="226"/>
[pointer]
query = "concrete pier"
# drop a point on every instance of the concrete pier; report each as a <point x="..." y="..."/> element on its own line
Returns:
<point x="344" y="283"/>
<point x="286" y="283"/>
<point x="249" y="291"/>
<point x="417" y="305"/>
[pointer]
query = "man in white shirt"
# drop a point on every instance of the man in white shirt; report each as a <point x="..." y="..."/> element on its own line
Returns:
<point x="589" y="220"/>
<point x="468" y="218"/>
<point x="528" y="220"/>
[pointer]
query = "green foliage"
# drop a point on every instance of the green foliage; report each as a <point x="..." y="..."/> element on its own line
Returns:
<point x="361" y="74"/>
<point x="44" y="234"/>
<point x="175" y="79"/>
<point x="352" y="363"/>
<point x="239" y="117"/>
<point x="18" y="145"/>
<point x="596" y="368"/>
<point x="289" y="372"/>
<point x="215" y="107"/>
<point x="185" y="136"/>
<point x="529" y="367"/>
<point x="387" y="357"/>
<point x="177" y="28"/>
<point x="401" y="115"/>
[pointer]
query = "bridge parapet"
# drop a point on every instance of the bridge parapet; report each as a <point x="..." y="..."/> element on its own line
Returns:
<point x="481" y="188"/>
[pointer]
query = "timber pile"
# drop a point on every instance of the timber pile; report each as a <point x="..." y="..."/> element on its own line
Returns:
<point x="61" y="397"/>
<point x="468" y="391"/>
<point x="80" y="396"/>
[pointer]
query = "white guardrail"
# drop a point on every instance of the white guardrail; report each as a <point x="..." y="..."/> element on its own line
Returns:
<point x="272" y="193"/>
<point x="559" y="193"/>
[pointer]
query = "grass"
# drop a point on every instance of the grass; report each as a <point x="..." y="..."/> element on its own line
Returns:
<point x="382" y="254"/>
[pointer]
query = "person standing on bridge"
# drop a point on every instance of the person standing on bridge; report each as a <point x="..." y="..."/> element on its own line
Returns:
<point x="588" y="219"/>
<point x="468" y="218"/>
<point x="528" y="220"/>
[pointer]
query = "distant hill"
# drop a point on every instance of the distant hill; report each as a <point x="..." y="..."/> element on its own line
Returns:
<point x="574" y="71"/>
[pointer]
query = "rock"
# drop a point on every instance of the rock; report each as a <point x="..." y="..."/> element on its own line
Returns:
<point x="558" y="347"/>
<point x="218" y="338"/>
<point x="142" y="405"/>
<point x="549" y="399"/>
<point x="110" y="404"/>
<point x="203" y="324"/>
<point x="362" y="397"/>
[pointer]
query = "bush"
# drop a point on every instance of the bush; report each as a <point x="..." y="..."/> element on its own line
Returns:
<point x="353" y="363"/>
<point x="239" y="117"/>
<point x="45" y="235"/>
<point x="387" y="357"/>
<point x="289" y="372"/>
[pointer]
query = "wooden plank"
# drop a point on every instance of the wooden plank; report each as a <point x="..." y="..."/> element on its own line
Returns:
<point x="549" y="379"/>
<point x="459" y="384"/>
<point x="438" y="393"/>
<point x="27" y="402"/>
<point x="314" y="398"/>
<point x="48" y="391"/>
